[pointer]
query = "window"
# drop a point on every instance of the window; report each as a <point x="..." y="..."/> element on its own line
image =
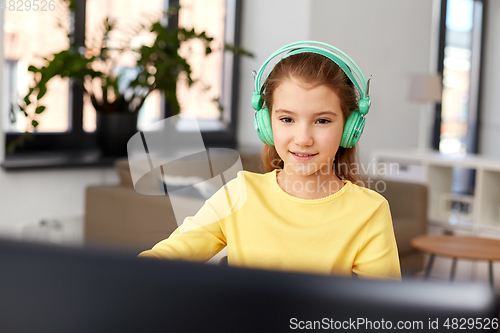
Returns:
<point x="460" y="63"/>
<point x="126" y="13"/>
<point x="27" y="35"/>
<point x="69" y="125"/>
<point x="456" y="128"/>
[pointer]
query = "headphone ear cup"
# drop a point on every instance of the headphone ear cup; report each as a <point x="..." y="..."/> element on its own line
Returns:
<point x="351" y="135"/>
<point x="262" y="123"/>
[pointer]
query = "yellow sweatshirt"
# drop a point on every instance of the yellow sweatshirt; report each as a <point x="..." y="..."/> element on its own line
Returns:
<point x="265" y="227"/>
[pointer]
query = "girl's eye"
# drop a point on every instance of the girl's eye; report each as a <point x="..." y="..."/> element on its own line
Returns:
<point x="320" y="121"/>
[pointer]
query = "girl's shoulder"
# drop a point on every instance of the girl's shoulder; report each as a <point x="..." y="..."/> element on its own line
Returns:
<point x="254" y="184"/>
<point x="254" y="180"/>
<point x="243" y="180"/>
<point x="365" y="194"/>
<point x="254" y="177"/>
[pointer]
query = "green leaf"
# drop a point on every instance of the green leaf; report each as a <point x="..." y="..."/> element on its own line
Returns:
<point x="33" y="69"/>
<point x="41" y="92"/>
<point x="23" y="110"/>
<point x="40" y="109"/>
<point x="237" y="50"/>
<point x="27" y="100"/>
<point x="34" y="123"/>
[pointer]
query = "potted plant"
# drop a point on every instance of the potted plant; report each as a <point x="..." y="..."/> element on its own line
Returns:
<point x="92" y="67"/>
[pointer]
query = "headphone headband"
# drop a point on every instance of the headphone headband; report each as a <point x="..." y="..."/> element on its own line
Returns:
<point x="350" y="68"/>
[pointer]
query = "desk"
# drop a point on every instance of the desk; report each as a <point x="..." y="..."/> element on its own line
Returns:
<point x="458" y="247"/>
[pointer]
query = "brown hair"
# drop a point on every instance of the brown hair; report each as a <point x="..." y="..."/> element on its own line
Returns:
<point x="317" y="70"/>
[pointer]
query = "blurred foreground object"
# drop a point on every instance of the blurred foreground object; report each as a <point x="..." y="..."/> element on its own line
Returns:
<point x="48" y="289"/>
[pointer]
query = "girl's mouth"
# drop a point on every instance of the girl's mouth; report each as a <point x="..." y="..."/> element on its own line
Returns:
<point x="302" y="157"/>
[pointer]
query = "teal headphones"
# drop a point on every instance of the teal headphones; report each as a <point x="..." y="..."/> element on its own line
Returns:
<point x="355" y="123"/>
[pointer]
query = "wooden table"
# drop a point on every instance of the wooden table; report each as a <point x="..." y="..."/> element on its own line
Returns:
<point x="458" y="247"/>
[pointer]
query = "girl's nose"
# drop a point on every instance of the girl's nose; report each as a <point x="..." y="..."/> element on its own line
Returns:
<point x="303" y="136"/>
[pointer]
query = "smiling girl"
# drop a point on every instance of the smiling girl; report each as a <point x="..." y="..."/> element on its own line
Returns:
<point x="307" y="213"/>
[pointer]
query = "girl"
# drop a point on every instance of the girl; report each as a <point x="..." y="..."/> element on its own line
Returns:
<point x="307" y="213"/>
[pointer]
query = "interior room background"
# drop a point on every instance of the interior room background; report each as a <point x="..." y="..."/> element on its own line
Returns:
<point x="389" y="39"/>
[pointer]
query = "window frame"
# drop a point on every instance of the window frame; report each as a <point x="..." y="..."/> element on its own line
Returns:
<point x="463" y="178"/>
<point x="474" y="111"/>
<point x="78" y="140"/>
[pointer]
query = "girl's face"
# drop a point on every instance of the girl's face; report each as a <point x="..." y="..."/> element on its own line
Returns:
<point x="306" y="120"/>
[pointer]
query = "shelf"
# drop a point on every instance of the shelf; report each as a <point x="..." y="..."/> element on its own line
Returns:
<point x="489" y="191"/>
<point x="480" y="228"/>
<point x="436" y="171"/>
<point x="472" y="161"/>
<point x="451" y="225"/>
<point x="441" y="179"/>
<point x="57" y="159"/>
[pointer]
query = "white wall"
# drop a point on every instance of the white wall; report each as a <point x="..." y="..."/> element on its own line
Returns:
<point x="490" y="122"/>
<point x="27" y="196"/>
<point x="389" y="39"/>
<point x="267" y="25"/>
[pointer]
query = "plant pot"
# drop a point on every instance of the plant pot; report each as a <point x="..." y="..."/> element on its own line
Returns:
<point x="113" y="130"/>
